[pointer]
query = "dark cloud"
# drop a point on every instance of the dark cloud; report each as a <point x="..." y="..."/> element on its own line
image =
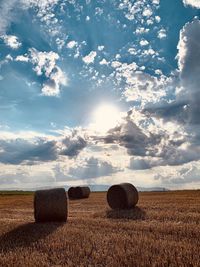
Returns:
<point x="139" y="164"/>
<point x="169" y="111"/>
<point x="154" y="148"/>
<point x="21" y="151"/>
<point x="130" y="136"/>
<point x="73" y="146"/>
<point x="185" y="107"/>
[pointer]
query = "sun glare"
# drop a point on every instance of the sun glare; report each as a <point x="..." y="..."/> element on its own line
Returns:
<point x="105" y="117"/>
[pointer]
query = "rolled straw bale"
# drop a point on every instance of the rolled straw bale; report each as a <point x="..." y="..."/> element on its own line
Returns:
<point x="50" y="205"/>
<point x="71" y="192"/>
<point x="82" y="192"/>
<point x="79" y="192"/>
<point x="122" y="196"/>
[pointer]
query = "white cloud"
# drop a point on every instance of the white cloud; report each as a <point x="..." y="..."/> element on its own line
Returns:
<point x="87" y="18"/>
<point x="91" y="168"/>
<point x="12" y="41"/>
<point x="144" y="42"/>
<point x="72" y="44"/>
<point x="22" y="58"/>
<point x="52" y="87"/>
<point x="162" y="34"/>
<point x="45" y="63"/>
<point x="144" y="88"/>
<point x="141" y="30"/>
<point x="116" y="64"/>
<point x="149" y="52"/>
<point x="193" y="3"/>
<point x="156" y="2"/>
<point x="138" y="11"/>
<point x="158" y="19"/>
<point x="100" y="47"/>
<point x="150" y="21"/>
<point x="103" y="62"/>
<point x="147" y="12"/>
<point x="90" y="57"/>
<point x="132" y="51"/>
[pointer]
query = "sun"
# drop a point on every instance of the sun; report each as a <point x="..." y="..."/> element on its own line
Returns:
<point x="105" y="117"/>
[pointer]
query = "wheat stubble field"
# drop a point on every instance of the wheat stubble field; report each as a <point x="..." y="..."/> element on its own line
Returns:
<point x="164" y="230"/>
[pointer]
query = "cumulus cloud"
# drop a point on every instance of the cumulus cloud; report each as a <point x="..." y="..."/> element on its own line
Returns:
<point x="71" y="44"/>
<point x="162" y="34"/>
<point x="188" y="174"/>
<point x="100" y="47"/>
<point x="16" y="149"/>
<point x="147" y="12"/>
<point x="143" y="87"/>
<point x="73" y="145"/>
<point x="20" y="150"/>
<point x="193" y="3"/>
<point x="144" y="42"/>
<point x="45" y="64"/>
<point x="92" y="168"/>
<point x="22" y="58"/>
<point x="141" y="30"/>
<point x="188" y="62"/>
<point x="153" y="142"/>
<point x="103" y="62"/>
<point x="12" y="41"/>
<point x="139" y="164"/>
<point x="90" y="57"/>
<point x="130" y="136"/>
<point x="138" y="10"/>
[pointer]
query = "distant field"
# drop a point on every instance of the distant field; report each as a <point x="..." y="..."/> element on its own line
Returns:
<point x="164" y="230"/>
<point x="14" y="193"/>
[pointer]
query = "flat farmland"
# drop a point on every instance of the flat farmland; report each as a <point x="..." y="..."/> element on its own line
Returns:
<point x="163" y="230"/>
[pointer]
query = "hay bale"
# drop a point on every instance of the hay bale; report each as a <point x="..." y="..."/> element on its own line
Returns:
<point x="79" y="192"/>
<point x="122" y="196"/>
<point x="71" y="192"/>
<point x="50" y="205"/>
<point x="82" y="192"/>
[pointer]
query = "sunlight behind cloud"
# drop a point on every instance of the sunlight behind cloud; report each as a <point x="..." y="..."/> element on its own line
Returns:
<point x="105" y="117"/>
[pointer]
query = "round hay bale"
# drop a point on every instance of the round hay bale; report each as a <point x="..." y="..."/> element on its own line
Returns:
<point x="122" y="196"/>
<point x="50" y="205"/>
<point x="71" y="192"/>
<point x="82" y="191"/>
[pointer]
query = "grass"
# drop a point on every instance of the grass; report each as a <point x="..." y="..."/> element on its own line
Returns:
<point x="163" y="230"/>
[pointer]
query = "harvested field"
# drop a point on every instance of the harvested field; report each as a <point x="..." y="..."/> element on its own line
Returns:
<point x="163" y="230"/>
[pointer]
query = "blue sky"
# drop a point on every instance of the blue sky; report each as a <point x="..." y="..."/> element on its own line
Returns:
<point x="99" y="92"/>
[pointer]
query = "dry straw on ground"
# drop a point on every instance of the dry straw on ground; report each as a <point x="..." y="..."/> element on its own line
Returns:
<point x="163" y="231"/>
<point x="79" y="192"/>
<point x="50" y="205"/>
<point x="122" y="196"/>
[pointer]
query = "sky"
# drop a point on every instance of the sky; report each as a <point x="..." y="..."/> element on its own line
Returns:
<point x="99" y="92"/>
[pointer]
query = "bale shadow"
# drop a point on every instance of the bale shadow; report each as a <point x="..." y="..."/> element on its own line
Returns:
<point x="135" y="213"/>
<point x="24" y="235"/>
